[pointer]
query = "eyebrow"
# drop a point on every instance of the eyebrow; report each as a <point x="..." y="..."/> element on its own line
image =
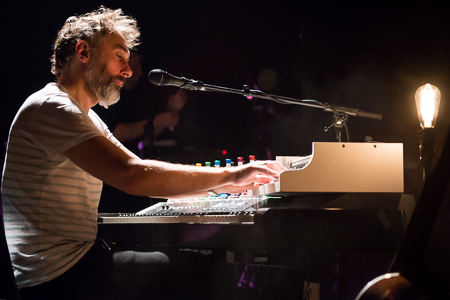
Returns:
<point x="120" y="46"/>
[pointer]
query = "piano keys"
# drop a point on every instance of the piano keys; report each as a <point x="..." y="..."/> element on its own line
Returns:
<point x="225" y="209"/>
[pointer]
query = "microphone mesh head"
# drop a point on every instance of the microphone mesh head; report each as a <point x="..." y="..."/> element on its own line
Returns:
<point x="158" y="77"/>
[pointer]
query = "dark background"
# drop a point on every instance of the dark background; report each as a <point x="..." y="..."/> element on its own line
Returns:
<point x="366" y="55"/>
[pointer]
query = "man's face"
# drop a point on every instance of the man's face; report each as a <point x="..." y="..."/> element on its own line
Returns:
<point x="135" y="65"/>
<point x="108" y="69"/>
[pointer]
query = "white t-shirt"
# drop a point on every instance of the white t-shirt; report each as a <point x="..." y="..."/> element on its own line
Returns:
<point x="49" y="203"/>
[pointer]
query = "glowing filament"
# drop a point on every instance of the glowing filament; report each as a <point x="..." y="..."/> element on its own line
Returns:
<point x="427" y="102"/>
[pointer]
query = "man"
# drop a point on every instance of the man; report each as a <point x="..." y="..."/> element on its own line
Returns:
<point x="59" y="153"/>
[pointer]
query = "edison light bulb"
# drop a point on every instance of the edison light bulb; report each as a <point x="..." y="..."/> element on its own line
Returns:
<point x="427" y="101"/>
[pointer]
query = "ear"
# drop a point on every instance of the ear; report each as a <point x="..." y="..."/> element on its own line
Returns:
<point x="82" y="51"/>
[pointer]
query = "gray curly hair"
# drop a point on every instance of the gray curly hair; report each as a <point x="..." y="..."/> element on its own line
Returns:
<point x="91" y="27"/>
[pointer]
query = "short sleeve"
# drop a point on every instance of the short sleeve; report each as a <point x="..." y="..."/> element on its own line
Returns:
<point x="58" y="124"/>
<point x="103" y="128"/>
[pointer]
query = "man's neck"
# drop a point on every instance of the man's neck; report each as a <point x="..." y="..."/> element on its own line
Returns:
<point x="78" y="89"/>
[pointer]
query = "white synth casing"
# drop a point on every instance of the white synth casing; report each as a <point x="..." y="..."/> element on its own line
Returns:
<point x="343" y="168"/>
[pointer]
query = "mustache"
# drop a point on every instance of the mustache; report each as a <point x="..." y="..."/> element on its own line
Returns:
<point x="119" y="77"/>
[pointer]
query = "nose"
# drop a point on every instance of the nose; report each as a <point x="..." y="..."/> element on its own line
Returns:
<point x="126" y="70"/>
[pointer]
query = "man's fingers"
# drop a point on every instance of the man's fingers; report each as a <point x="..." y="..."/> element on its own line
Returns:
<point x="265" y="169"/>
<point x="261" y="172"/>
<point x="251" y="186"/>
<point x="261" y="179"/>
<point x="238" y="188"/>
<point x="272" y="164"/>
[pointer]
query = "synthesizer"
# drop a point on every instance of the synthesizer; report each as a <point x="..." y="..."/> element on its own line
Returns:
<point x="222" y="209"/>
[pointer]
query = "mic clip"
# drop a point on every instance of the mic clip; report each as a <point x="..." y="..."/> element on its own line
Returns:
<point x="192" y="85"/>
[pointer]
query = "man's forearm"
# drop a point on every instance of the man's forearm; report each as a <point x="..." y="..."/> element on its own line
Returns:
<point x="161" y="179"/>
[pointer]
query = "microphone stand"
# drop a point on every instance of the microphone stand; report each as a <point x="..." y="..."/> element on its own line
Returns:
<point x="340" y="117"/>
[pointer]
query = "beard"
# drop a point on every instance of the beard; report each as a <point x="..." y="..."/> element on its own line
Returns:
<point x="102" y="83"/>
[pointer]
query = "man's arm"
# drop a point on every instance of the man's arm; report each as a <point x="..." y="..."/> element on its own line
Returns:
<point x="125" y="171"/>
<point x="224" y="189"/>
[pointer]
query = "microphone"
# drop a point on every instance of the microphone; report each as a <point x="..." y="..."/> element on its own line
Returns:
<point x="162" y="78"/>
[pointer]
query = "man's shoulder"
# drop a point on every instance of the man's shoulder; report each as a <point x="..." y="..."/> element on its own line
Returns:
<point x="49" y="97"/>
<point x="51" y="102"/>
<point x="51" y="91"/>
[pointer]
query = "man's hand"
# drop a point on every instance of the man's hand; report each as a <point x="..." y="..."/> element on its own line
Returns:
<point x="177" y="101"/>
<point x="250" y="176"/>
<point x="260" y="172"/>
